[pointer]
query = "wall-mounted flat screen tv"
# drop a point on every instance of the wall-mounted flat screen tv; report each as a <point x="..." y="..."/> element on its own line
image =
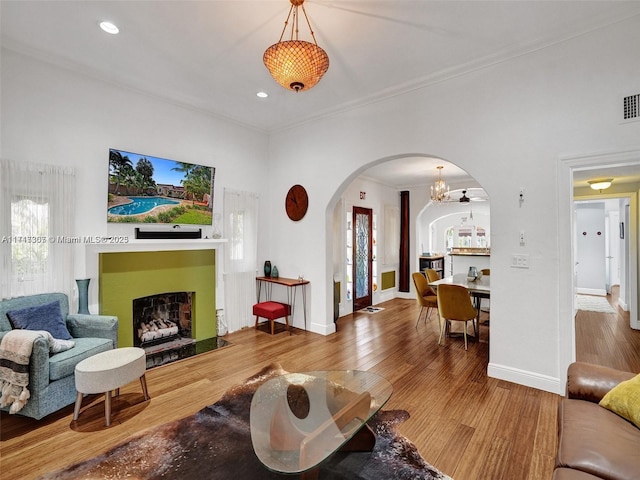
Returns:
<point x="146" y="189"/>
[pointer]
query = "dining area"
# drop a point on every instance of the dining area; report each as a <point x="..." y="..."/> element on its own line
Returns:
<point x="461" y="298"/>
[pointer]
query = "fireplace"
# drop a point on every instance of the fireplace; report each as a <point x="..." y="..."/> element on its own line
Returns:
<point x="164" y="318"/>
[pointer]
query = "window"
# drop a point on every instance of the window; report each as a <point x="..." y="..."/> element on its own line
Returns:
<point x="241" y="227"/>
<point x="29" y="238"/>
<point x="36" y="221"/>
<point x="236" y="221"/>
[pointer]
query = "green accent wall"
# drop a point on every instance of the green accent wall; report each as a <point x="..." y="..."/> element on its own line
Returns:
<point x="127" y="276"/>
<point x="388" y="280"/>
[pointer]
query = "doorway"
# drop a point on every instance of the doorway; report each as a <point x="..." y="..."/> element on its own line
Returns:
<point x="362" y="241"/>
<point x="613" y="164"/>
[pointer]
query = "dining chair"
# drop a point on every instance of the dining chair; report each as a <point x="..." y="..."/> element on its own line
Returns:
<point x="432" y="276"/>
<point x="425" y="296"/>
<point x="480" y="296"/>
<point x="454" y="304"/>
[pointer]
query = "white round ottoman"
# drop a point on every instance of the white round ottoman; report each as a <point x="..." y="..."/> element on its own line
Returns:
<point x="108" y="371"/>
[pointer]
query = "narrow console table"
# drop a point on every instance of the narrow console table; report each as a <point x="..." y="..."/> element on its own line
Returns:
<point x="291" y="285"/>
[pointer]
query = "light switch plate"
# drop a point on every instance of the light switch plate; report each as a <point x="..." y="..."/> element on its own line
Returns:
<point x="520" y="260"/>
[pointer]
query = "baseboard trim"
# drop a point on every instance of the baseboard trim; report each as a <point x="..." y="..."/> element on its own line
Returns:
<point x="526" y="378"/>
<point x="386" y="295"/>
<point x="592" y="291"/>
<point x="406" y="295"/>
<point x="322" y="329"/>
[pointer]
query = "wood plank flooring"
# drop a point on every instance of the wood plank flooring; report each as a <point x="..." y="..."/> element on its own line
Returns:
<point x="466" y="424"/>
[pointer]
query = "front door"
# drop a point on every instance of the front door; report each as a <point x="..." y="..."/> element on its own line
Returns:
<point x="362" y="257"/>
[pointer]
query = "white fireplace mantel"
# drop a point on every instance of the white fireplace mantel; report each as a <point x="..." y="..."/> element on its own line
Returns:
<point x="153" y="245"/>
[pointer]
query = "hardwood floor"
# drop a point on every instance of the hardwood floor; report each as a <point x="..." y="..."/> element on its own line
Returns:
<point x="466" y="424"/>
<point x="607" y="339"/>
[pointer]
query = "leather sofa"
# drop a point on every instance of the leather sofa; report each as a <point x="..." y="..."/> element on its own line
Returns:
<point x="52" y="377"/>
<point x="594" y="442"/>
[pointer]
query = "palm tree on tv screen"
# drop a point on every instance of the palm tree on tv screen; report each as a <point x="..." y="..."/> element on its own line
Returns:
<point x="120" y="166"/>
<point x="197" y="179"/>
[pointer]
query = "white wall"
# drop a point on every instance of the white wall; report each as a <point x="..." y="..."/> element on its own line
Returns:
<point x="507" y="126"/>
<point x="55" y="116"/>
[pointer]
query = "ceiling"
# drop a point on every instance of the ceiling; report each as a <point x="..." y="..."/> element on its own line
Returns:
<point x="207" y="55"/>
<point x="416" y="171"/>
<point x="622" y="174"/>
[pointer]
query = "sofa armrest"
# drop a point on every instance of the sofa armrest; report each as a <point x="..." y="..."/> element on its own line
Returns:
<point x="39" y="365"/>
<point x="590" y="382"/>
<point x="98" y="326"/>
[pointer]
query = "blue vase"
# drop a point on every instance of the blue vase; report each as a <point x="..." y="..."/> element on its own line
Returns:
<point x="267" y="269"/>
<point x="83" y="295"/>
<point x="274" y="272"/>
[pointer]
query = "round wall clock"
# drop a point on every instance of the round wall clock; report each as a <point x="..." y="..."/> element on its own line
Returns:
<point x="296" y="202"/>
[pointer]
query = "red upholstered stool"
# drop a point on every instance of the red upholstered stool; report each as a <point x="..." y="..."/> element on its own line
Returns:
<point x="272" y="311"/>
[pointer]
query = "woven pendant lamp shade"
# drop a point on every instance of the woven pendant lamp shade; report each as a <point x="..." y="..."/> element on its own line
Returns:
<point x="296" y="64"/>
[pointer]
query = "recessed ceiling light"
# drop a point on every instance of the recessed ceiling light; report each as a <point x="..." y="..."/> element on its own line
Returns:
<point x="109" y="27"/>
<point x="262" y="94"/>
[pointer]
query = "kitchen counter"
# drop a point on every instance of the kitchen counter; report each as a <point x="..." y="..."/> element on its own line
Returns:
<point x="462" y="259"/>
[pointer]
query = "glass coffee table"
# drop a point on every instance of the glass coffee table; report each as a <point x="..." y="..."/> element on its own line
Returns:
<point x="298" y="420"/>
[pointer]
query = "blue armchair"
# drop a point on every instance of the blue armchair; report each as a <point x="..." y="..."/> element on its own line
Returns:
<point x="51" y="377"/>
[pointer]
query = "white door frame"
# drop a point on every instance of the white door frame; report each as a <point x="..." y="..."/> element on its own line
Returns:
<point x="566" y="260"/>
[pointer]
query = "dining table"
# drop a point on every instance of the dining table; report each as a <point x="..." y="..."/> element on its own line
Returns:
<point x="479" y="288"/>
<point x="481" y="285"/>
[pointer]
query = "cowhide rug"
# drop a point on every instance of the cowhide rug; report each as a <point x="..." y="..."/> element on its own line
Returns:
<point x="215" y="443"/>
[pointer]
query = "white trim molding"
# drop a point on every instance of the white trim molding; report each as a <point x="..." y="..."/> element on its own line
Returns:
<point x="524" y="377"/>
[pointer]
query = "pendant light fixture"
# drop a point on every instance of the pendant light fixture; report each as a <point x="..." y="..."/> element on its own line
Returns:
<point x="295" y="64"/>
<point x="439" y="190"/>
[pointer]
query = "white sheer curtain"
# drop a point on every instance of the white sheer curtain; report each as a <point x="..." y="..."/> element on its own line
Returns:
<point x="36" y="225"/>
<point x="241" y="229"/>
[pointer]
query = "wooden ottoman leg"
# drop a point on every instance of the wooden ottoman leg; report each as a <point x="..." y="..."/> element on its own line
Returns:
<point x="107" y="408"/>
<point x="256" y="321"/>
<point x="272" y="322"/>
<point x="76" y="410"/>
<point x="143" y="382"/>
<point x="286" y="318"/>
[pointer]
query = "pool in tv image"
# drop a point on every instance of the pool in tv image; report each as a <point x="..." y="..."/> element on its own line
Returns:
<point x="146" y="189"/>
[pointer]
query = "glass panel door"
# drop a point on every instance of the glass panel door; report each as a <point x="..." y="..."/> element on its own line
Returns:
<point x="362" y="257"/>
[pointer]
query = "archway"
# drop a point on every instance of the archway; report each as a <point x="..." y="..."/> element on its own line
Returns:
<point x="361" y="194"/>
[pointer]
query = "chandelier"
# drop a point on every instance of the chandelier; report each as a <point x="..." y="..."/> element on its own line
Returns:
<point x="296" y="64"/>
<point x="439" y="190"/>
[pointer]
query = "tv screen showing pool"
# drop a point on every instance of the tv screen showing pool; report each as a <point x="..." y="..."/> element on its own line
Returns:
<point x="146" y="189"/>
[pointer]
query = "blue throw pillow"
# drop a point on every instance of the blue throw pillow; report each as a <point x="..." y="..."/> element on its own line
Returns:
<point x="41" y="317"/>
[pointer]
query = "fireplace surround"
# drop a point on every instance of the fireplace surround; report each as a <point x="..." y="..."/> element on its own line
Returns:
<point x="144" y="268"/>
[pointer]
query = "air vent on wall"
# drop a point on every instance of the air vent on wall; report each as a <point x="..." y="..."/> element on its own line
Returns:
<point x="632" y="107"/>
